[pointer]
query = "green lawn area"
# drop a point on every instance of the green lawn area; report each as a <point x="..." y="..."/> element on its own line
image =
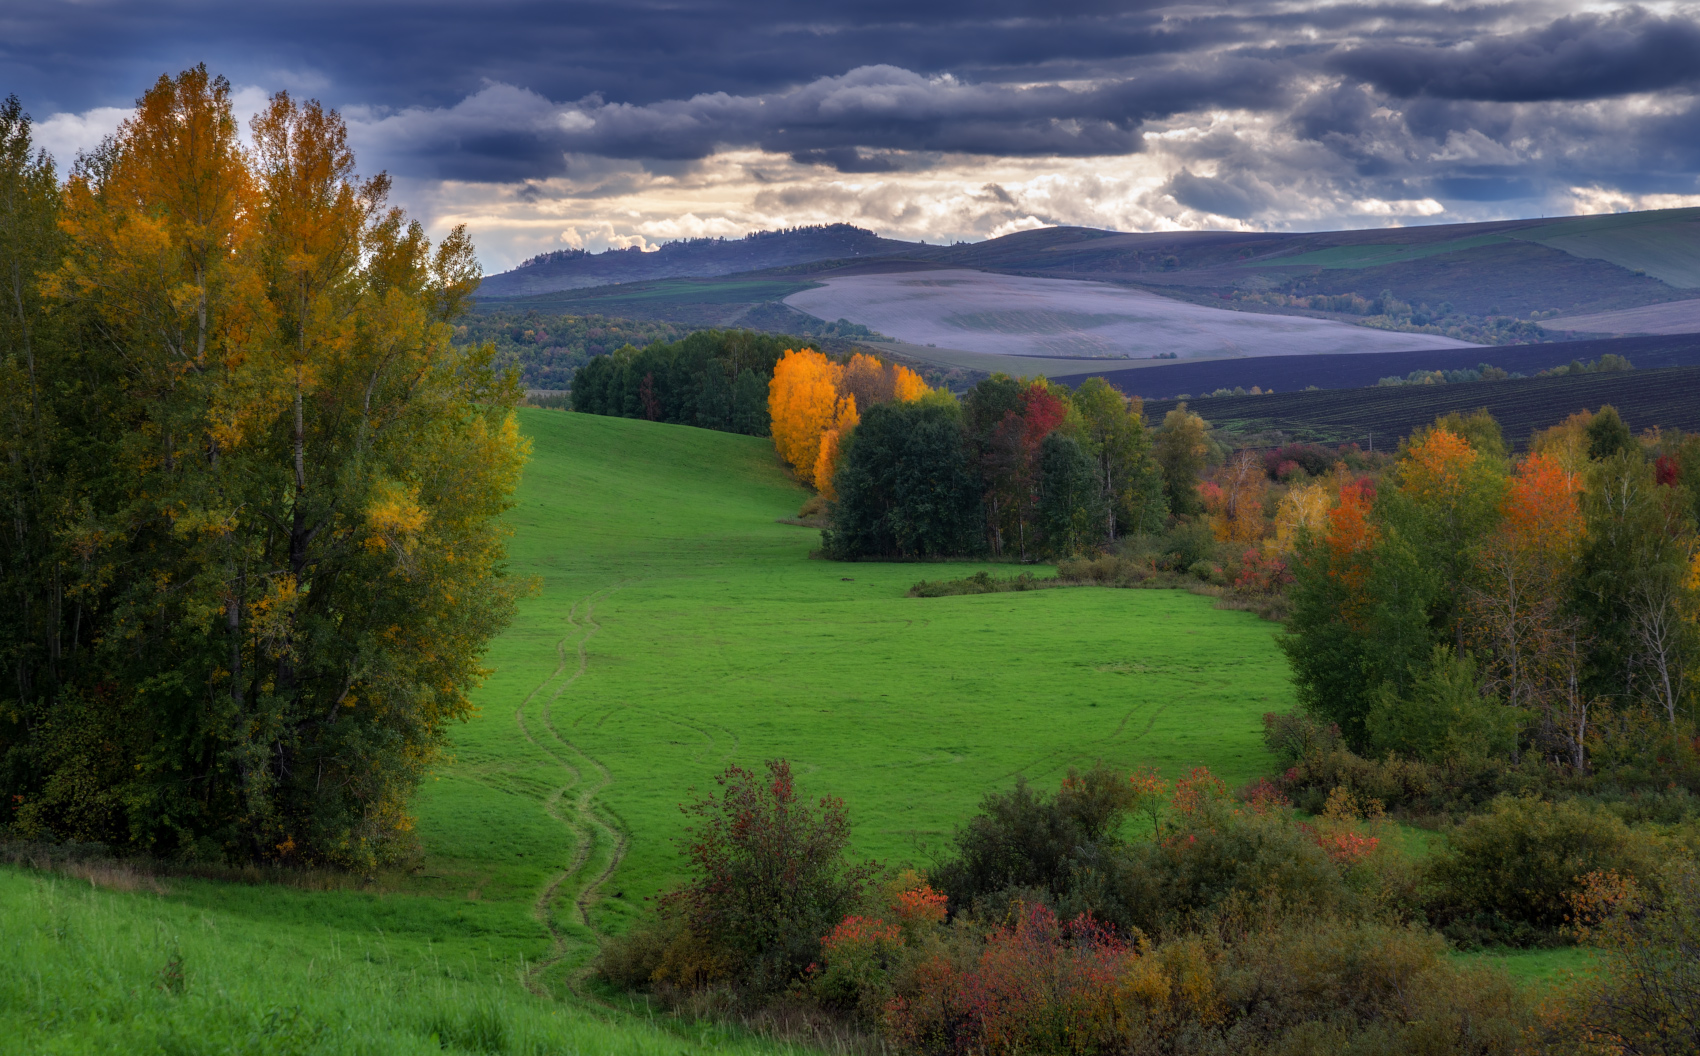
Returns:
<point x="676" y="627"/>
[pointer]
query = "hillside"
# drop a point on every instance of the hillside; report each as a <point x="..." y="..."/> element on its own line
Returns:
<point x="1667" y="399"/>
<point x="1356" y="370"/>
<point x="1570" y="265"/>
<point x="1199" y="295"/>
<point x="677" y="627"/>
<point x="695" y="257"/>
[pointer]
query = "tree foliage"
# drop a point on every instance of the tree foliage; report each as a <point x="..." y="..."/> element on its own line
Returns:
<point x="259" y="489"/>
<point x="1473" y="608"/>
<point x="713" y="379"/>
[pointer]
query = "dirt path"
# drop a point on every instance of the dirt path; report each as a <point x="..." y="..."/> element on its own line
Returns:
<point x="600" y="843"/>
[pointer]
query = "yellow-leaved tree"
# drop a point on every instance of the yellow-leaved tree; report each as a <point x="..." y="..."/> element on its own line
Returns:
<point x="275" y="488"/>
<point x="815" y="404"/>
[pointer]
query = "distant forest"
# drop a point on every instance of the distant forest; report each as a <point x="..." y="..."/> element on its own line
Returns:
<point x="548" y="348"/>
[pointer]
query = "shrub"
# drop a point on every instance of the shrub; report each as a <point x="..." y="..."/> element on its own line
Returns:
<point x="1443" y="717"/>
<point x="1511" y="874"/>
<point x="769" y="878"/>
<point x="1646" y="1000"/>
<point x="1037" y="985"/>
<point x="1024" y="839"/>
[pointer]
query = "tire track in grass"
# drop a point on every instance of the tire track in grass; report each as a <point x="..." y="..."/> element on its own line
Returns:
<point x="592" y="829"/>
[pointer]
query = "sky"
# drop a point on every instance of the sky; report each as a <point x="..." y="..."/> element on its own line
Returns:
<point x="571" y="124"/>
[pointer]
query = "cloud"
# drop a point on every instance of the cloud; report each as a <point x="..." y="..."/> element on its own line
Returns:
<point x="1588" y="56"/>
<point x="544" y="120"/>
<point x="66" y="135"/>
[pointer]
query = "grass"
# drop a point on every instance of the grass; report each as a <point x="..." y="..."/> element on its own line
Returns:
<point x="676" y="627"/>
<point x="1375" y="255"/>
<point x="1665" y="244"/>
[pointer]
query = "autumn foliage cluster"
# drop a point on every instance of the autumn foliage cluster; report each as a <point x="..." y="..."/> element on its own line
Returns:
<point x="253" y="490"/>
<point x="1538" y="610"/>
<point x="1018" y="469"/>
<point x="1227" y="927"/>
<point x="815" y="403"/>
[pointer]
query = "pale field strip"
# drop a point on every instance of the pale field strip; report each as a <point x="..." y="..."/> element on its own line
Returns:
<point x="1672" y="317"/>
<point x="1053" y="320"/>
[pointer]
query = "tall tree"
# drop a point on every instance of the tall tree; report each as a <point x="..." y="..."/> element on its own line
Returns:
<point x="1183" y="450"/>
<point x="1113" y="433"/>
<point x="287" y="546"/>
<point x="906" y="486"/>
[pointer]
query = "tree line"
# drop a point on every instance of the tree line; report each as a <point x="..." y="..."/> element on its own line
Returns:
<point x="1017" y="469"/>
<point x="252" y="488"/>
<point x="1471" y="605"/>
<point x="714" y="379"/>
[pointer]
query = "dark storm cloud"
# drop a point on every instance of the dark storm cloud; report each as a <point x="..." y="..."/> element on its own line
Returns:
<point x="1389" y="99"/>
<point x="850" y="122"/>
<point x="1579" y="57"/>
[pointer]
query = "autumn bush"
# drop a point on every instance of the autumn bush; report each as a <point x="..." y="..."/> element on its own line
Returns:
<point x="1207" y="854"/>
<point x="1645" y="1000"/>
<point x="1510" y="875"/>
<point x="1037" y="983"/>
<point x="768" y="878"/>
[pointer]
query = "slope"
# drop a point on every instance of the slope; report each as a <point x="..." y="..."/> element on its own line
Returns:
<point x="676" y="627"/>
<point x="1666" y="399"/>
<point x="694" y="257"/>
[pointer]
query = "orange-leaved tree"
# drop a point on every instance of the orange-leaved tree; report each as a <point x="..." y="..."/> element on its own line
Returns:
<point x="1518" y="608"/>
<point x="815" y="404"/>
<point x="804" y="402"/>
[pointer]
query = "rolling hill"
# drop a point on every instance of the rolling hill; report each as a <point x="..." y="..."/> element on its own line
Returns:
<point x="1356" y="370"/>
<point x="1211" y="294"/>
<point x="1574" y="265"/>
<point x="1381" y="416"/>
<point x="696" y="257"/>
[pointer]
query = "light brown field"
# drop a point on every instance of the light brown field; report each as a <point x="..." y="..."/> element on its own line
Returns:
<point x="1672" y="317"/>
<point x="1059" y="319"/>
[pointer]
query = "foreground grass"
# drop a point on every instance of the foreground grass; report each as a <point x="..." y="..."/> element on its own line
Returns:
<point x="677" y="627"/>
<point x="90" y="971"/>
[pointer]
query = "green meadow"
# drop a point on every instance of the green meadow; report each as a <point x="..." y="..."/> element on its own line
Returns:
<point x="675" y="627"/>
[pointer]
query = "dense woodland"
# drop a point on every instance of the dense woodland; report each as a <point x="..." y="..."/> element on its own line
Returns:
<point x="252" y="487"/>
<point x="714" y="379"/>
<point x="548" y="348"/>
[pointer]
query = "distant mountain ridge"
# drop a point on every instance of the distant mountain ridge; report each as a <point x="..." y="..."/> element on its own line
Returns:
<point x="571" y="269"/>
<point x="1551" y="266"/>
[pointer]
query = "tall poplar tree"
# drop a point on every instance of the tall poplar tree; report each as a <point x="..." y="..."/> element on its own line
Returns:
<point x="279" y="556"/>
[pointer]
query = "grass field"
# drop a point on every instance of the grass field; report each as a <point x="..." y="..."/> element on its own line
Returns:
<point x="676" y="627"/>
<point x="1375" y="255"/>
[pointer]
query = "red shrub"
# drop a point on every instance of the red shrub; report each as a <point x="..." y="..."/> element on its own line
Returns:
<point x="1038" y="986"/>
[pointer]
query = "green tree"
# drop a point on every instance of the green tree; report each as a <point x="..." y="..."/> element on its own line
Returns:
<point x="1113" y="433"/>
<point x="1633" y="590"/>
<point x="1443" y="717"/>
<point x="1071" y="505"/>
<point x="1183" y="450"/>
<point x="284" y="556"/>
<point x="32" y="480"/>
<point x="1608" y="435"/>
<point x="905" y="486"/>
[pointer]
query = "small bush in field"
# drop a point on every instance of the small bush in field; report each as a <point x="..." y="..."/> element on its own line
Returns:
<point x="769" y="877"/>
<point x="1024" y="839"/>
<point x="1511" y="874"/>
